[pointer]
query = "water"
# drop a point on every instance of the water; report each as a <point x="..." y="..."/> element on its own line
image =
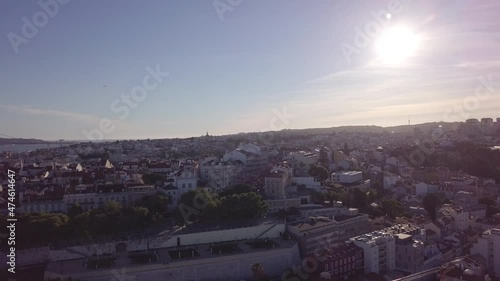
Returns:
<point x="26" y="147"/>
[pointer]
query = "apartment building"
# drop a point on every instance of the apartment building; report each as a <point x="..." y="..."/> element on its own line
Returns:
<point x="379" y="251"/>
<point x="488" y="246"/>
<point x="220" y="175"/>
<point x="250" y="155"/>
<point x="341" y="260"/>
<point x="275" y="183"/>
<point x="409" y="252"/>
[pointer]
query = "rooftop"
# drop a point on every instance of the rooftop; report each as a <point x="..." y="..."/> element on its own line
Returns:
<point x="165" y="257"/>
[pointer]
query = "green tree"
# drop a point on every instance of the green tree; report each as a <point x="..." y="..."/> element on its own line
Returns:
<point x="196" y="205"/>
<point x="319" y="171"/>
<point x="392" y="208"/>
<point x="359" y="199"/>
<point x="74" y="210"/>
<point x="242" y="206"/>
<point x="151" y="179"/>
<point x="430" y="202"/>
<point x="155" y="203"/>
<point x="237" y="189"/>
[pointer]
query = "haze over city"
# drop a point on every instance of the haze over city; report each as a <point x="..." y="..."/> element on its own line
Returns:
<point x="231" y="70"/>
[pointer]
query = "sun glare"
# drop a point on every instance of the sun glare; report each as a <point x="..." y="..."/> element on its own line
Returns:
<point x="397" y="44"/>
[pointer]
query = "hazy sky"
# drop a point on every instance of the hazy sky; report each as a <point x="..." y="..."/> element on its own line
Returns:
<point x="236" y="65"/>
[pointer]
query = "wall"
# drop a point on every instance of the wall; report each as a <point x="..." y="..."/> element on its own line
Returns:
<point x="232" y="267"/>
<point x="164" y="241"/>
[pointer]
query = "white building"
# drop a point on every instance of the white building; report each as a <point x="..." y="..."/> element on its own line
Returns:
<point x="249" y="155"/>
<point x="220" y="175"/>
<point x="488" y="246"/>
<point x="302" y="159"/>
<point x="379" y="251"/>
<point x="347" y="177"/>
<point x="185" y="181"/>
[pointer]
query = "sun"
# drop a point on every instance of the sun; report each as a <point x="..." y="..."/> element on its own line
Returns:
<point x="395" y="45"/>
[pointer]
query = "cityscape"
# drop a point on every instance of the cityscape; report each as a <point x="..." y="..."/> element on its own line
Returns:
<point x="230" y="140"/>
<point x="281" y="205"/>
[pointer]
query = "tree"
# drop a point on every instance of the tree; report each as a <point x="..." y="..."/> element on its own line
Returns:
<point x="196" y="205"/>
<point x="431" y="201"/>
<point x="258" y="272"/>
<point x="359" y="199"/>
<point x="371" y="195"/>
<point x="492" y="210"/>
<point x="323" y="157"/>
<point x="75" y="210"/>
<point x="319" y="171"/>
<point x="392" y="208"/>
<point x="237" y="189"/>
<point x="346" y="149"/>
<point x="242" y="206"/>
<point x="151" y="179"/>
<point x="155" y="203"/>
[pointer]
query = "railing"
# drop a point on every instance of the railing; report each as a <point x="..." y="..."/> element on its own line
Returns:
<point x="267" y="230"/>
<point x="419" y="275"/>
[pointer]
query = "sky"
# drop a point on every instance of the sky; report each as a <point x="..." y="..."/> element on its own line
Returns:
<point x="229" y="66"/>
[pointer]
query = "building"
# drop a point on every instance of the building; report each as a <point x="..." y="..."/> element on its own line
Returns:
<point x="275" y="183"/>
<point x="488" y="246"/>
<point x="409" y="246"/>
<point x="410" y="253"/>
<point x="379" y="251"/>
<point x="220" y="175"/>
<point x="314" y="233"/>
<point x="88" y="197"/>
<point x="347" y="177"/>
<point x="302" y="159"/>
<point x="341" y="260"/>
<point x="275" y="205"/>
<point x="468" y="268"/>
<point x="250" y="155"/>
